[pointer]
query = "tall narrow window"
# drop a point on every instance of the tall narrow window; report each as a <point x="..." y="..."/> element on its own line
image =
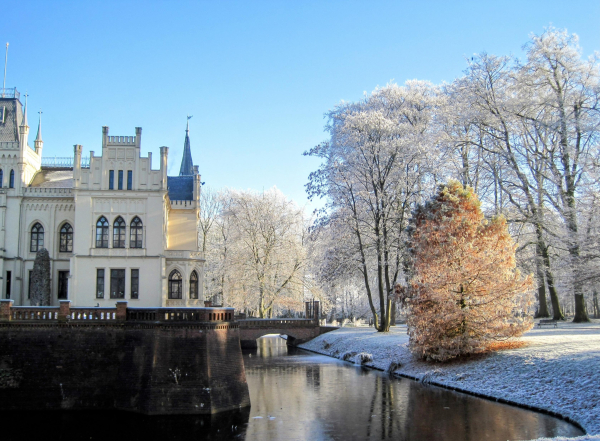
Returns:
<point x="8" y="282"/>
<point x="29" y="288"/>
<point x="117" y="283"/>
<point x="63" y="284"/>
<point x="120" y="179"/>
<point x="11" y="182"/>
<point x="66" y="239"/>
<point x="102" y="233"/>
<point x="1" y="178"/>
<point x="37" y="238"/>
<point x="111" y="179"/>
<point x="135" y="283"/>
<point x="129" y="179"/>
<point x="119" y="233"/>
<point x="100" y="283"/>
<point x="194" y="285"/>
<point x="136" y="233"/>
<point x="175" y="285"/>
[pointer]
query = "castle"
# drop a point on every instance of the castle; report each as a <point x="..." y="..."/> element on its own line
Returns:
<point x="115" y="229"/>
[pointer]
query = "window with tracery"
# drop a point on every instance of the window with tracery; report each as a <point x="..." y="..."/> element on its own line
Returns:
<point x="119" y="233"/>
<point x="66" y="239"/>
<point x="175" y="285"/>
<point x="136" y="233"/>
<point x="102" y="233"/>
<point x="37" y="238"/>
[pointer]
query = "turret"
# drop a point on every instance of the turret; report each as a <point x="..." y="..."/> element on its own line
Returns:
<point x="24" y="129"/>
<point x="77" y="165"/>
<point x="104" y="136"/>
<point x="164" y="154"/>
<point x="39" y="144"/>
<point x="197" y="184"/>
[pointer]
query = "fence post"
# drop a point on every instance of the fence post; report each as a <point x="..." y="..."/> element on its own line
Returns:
<point x="64" y="311"/>
<point x="5" y="305"/>
<point x="121" y="311"/>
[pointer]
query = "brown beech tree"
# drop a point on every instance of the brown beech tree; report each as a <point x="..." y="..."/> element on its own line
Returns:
<point x="464" y="291"/>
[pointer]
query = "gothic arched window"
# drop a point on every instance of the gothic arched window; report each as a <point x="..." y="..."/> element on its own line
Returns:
<point x="135" y="233"/>
<point x="119" y="233"/>
<point x="66" y="238"/>
<point x="102" y="233"/>
<point x="175" y="285"/>
<point x="11" y="182"/>
<point x="1" y="178"/>
<point x="194" y="285"/>
<point x="37" y="238"/>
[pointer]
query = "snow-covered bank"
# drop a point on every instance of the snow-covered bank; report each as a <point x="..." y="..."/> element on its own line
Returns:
<point x="558" y="369"/>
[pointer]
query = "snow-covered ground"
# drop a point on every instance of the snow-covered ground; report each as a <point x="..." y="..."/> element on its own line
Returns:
<point x="558" y="369"/>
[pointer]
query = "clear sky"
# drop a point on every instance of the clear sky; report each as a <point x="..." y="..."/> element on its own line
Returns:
<point x="256" y="75"/>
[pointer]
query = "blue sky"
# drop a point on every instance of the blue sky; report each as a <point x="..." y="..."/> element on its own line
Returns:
<point x="256" y="75"/>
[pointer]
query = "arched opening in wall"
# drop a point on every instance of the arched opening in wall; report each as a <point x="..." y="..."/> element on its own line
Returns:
<point x="175" y="285"/>
<point x="194" y="285"/>
<point x="11" y="181"/>
<point x="272" y="345"/>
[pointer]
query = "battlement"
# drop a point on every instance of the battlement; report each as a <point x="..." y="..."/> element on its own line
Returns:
<point x="122" y="140"/>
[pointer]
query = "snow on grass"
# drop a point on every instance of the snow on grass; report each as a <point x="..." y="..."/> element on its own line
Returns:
<point x="557" y="369"/>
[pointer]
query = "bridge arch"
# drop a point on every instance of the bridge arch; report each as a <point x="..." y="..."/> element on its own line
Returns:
<point x="298" y="331"/>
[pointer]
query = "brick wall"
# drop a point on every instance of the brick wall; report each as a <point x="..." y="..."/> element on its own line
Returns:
<point x="149" y="368"/>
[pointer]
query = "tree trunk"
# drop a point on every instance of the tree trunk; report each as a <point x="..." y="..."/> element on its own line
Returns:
<point x="557" y="313"/>
<point x="543" y="304"/>
<point x="596" y="306"/>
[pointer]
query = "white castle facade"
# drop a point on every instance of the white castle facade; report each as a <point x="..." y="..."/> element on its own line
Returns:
<point x="115" y="229"/>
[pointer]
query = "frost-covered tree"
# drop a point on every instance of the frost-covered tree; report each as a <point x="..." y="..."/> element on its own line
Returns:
<point x="375" y="166"/>
<point x="464" y="291"/>
<point x="256" y="253"/>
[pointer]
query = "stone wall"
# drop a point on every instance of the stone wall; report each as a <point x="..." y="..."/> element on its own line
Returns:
<point x="152" y="368"/>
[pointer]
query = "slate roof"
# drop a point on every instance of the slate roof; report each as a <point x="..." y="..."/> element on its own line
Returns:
<point x="9" y="131"/>
<point x="181" y="188"/>
<point x="53" y="178"/>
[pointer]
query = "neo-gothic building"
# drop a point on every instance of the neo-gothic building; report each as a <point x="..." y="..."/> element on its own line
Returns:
<point x="115" y="228"/>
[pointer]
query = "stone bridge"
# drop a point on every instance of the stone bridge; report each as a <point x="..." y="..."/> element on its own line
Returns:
<point x="298" y="330"/>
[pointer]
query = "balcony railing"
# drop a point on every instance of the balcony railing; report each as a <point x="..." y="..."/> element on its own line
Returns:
<point x="9" y="92"/>
<point x="63" y="162"/>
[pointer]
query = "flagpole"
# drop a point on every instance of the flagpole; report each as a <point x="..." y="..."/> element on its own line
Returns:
<point x="5" y="61"/>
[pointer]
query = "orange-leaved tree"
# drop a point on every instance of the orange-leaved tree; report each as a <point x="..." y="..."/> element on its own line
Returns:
<point x="464" y="292"/>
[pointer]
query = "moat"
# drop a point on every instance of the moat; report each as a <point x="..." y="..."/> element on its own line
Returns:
<point x="297" y="395"/>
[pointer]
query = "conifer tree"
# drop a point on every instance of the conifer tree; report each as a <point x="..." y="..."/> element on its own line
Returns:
<point x="464" y="292"/>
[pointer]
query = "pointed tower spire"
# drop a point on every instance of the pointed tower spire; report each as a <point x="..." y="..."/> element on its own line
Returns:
<point x="38" y="143"/>
<point x="24" y="123"/>
<point x="39" y="133"/>
<point x="187" y="165"/>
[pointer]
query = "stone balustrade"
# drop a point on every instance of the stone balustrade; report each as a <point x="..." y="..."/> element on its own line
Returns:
<point x="120" y="313"/>
<point x="274" y="323"/>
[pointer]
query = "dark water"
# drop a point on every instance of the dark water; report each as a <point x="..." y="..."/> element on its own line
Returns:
<point x="297" y="395"/>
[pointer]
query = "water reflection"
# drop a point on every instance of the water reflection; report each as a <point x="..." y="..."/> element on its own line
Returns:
<point x="298" y="396"/>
